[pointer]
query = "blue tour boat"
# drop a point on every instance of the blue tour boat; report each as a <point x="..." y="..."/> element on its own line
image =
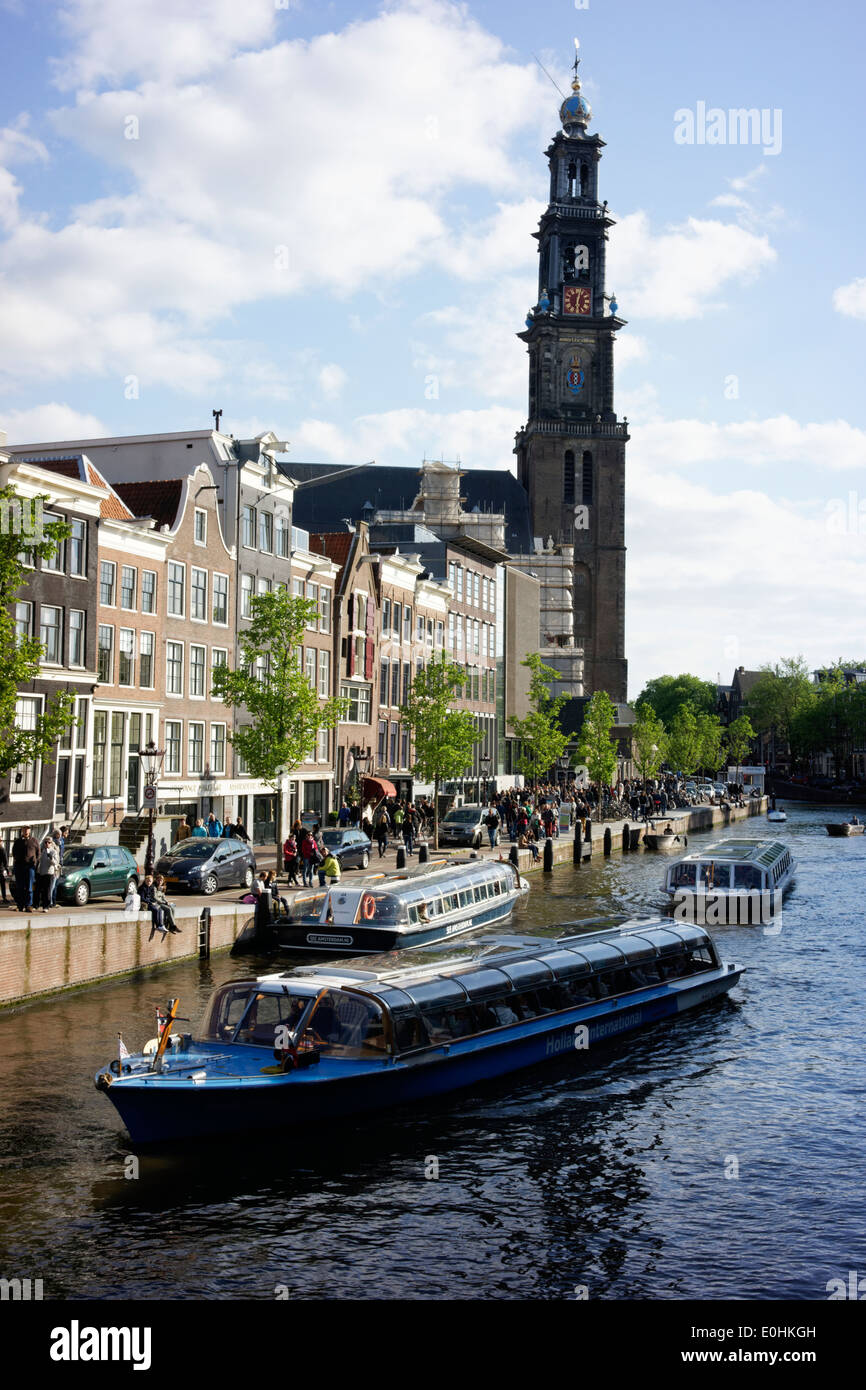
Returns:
<point x="298" y="1048"/>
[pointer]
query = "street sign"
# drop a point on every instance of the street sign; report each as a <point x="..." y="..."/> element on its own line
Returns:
<point x="150" y="796"/>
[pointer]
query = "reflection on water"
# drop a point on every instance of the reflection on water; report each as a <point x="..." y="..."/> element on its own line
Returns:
<point x="611" y="1172"/>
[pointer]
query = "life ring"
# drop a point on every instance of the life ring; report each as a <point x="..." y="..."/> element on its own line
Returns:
<point x="368" y="907"/>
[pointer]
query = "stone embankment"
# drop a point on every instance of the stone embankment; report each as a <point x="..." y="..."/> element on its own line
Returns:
<point x="42" y="954"/>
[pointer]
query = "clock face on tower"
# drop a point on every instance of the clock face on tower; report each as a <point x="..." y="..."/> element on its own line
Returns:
<point x="577" y="299"/>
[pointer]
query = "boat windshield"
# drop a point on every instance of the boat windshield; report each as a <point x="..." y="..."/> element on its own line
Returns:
<point x="347" y="1025"/>
<point x="682" y="876"/>
<point x="748" y="877"/>
<point x="242" y="1012"/>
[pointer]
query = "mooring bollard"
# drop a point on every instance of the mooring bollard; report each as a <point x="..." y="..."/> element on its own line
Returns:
<point x="635" y="835"/>
<point x="626" y="839"/>
<point x="401" y="857"/>
<point x="548" y="855"/>
<point x="577" y="846"/>
<point x="587" y="836"/>
<point x="423" y="853"/>
<point x="607" y="841"/>
<point x="514" y="855"/>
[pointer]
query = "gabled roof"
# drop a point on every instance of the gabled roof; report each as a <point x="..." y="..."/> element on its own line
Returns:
<point x="160" y="499"/>
<point x="746" y="680"/>
<point x="79" y="467"/>
<point x="337" y="546"/>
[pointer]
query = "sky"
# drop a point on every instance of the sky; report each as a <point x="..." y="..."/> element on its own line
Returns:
<point x="318" y="218"/>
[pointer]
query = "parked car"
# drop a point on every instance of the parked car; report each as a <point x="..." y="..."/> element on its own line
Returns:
<point x="721" y="789"/>
<point x="204" y="864"/>
<point x="463" y="826"/>
<point x="350" y="848"/>
<point x="95" y="871"/>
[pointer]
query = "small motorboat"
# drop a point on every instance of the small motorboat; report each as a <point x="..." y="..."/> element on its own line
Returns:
<point x="776" y="814"/>
<point x="666" y="841"/>
<point x="845" y="827"/>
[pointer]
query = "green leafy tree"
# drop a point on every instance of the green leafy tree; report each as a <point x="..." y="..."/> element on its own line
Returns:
<point x="739" y="740"/>
<point x="22" y="655"/>
<point x="443" y="738"/>
<point x="781" y="693"/>
<point x="282" y="712"/>
<point x="596" y="748"/>
<point x="683" y="741"/>
<point x="711" y="742"/>
<point x="668" y="694"/>
<point x="541" y="738"/>
<point x="649" y="741"/>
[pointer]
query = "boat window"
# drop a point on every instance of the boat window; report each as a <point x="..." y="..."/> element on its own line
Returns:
<point x="497" y="1013"/>
<point x="386" y="909"/>
<point x="444" y="1025"/>
<point x="748" y="877"/>
<point x="225" y="1011"/>
<point x="714" y="873"/>
<point x="497" y="888"/>
<point x="466" y="897"/>
<point x="673" y="967"/>
<point x="451" y="902"/>
<point x="409" y="1032"/>
<point x="647" y="973"/>
<point x="413" y="913"/>
<point x="579" y="990"/>
<point x="260" y="1013"/>
<point x="347" y="1025"/>
<point x="701" y="958"/>
<point x="683" y="876"/>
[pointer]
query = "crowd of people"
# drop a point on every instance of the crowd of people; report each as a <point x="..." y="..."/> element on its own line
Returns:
<point x="31" y="869"/>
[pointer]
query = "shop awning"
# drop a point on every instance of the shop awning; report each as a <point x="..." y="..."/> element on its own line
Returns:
<point x="375" y="788"/>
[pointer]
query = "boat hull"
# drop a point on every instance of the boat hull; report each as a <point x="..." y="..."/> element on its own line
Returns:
<point x="169" y="1108"/>
<point x="844" y="828"/>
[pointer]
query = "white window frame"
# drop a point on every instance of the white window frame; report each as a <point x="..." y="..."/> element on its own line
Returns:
<point x="325" y="608"/>
<point x="79" y="573"/>
<point x="215" y="770"/>
<point x="169" y="724"/>
<point x="132" y="607"/>
<point x="219" y="574"/>
<point x="199" y="512"/>
<point x="247" y="591"/>
<point x="152" y="654"/>
<point x="174" y="694"/>
<point x="219" y="656"/>
<point x="195" y="570"/>
<point x="324" y="685"/>
<point x="130" y="631"/>
<point x="82" y="629"/>
<point x="171" y="566"/>
<point x="57" y="628"/>
<point x="30" y="771"/>
<point x="192" y="770"/>
<point x="198" y="647"/>
<point x="108" y="564"/>
<point x="105" y="627"/>
<point x="144" y="573"/>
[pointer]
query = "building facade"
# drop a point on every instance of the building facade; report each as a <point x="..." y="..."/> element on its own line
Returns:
<point x="571" y="452"/>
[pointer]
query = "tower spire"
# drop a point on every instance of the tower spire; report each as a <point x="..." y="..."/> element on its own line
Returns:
<point x="575" y="112"/>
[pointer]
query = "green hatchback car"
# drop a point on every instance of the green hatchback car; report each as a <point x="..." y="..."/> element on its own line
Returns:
<point x="94" y="871"/>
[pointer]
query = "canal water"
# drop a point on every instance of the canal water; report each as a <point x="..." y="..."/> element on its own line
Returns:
<point x="718" y="1156"/>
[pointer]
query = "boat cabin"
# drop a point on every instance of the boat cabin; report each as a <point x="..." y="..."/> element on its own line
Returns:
<point x="360" y="1014"/>
<point x="412" y="900"/>
<point x="733" y="866"/>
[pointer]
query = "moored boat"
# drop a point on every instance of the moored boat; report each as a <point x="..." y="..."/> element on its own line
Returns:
<point x="845" y="827"/>
<point x="777" y="815"/>
<point x="666" y="841"/>
<point x="318" y="1044"/>
<point x="391" y="913"/>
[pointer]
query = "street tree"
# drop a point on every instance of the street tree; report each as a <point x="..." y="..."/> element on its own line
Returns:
<point x="711" y="747"/>
<point x="22" y="655"/>
<point x="281" y="711"/>
<point x="683" y="741"/>
<point x="779" y="695"/>
<point x="596" y="748"/>
<point x="650" y="742"/>
<point x="667" y="694"/>
<point x="443" y="738"/>
<point x="739" y="739"/>
<point x="541" y="738"/>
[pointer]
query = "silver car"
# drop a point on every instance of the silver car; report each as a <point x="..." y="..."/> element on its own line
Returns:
<point x="463" y="826"/>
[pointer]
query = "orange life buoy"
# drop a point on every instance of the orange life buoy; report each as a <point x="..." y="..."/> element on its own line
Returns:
<point x="368" y="907"/>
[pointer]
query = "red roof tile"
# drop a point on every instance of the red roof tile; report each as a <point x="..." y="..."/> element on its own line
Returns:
<point x="335" y="544"/>
<point x="159" y="499"/>
<point x="68" y="467"/>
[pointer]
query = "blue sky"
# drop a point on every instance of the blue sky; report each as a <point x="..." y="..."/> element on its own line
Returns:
<point x="322" y="225"/>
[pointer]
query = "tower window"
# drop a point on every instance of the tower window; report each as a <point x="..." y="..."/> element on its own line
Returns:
<point x="568" y="477"/>
<point x="586" y="480"/>
<point x="584" y="180"/>
<point x="568" y="262"/>
<point x="572" y="180"/>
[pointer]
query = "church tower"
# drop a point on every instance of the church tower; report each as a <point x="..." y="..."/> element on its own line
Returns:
<point x="571" y="452"/>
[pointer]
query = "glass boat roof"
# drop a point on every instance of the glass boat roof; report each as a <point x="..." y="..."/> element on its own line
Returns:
<point x="740" y="851"/>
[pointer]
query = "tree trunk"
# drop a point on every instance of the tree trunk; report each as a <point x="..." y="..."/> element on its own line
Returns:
<point x="435" y="814"/>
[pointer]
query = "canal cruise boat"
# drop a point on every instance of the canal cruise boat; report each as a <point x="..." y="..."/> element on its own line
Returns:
<point x="731" y="874"/>
<point x="394" y="912"/>
<point x="293" y="1049"/>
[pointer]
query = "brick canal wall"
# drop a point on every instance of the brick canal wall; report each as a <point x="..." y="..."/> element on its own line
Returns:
<point x="41" y="955"/>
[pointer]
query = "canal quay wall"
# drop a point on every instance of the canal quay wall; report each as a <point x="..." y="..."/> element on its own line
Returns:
<point x="43" y="955"/>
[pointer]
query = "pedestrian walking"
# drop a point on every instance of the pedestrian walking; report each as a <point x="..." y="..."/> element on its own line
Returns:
<point x="214" y="826"/>
<point x="199" y="831"/>
<point x="492" y="821"/>
<point x="381" y="831"/>
<point x="183" y="831"/>
<point x="409" y="819"/>
<point x="4" y="872"/>
<point x="290" y="859"/>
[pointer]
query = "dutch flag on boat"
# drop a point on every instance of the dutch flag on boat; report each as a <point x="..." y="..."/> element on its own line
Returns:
<point x="122" y="1049"/>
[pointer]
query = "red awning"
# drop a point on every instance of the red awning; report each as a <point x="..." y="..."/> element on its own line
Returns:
<point x="378" y="787"/>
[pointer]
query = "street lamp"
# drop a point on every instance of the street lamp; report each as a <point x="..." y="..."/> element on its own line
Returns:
<point x="484" y="764"/>
<point x="563" y="763"/>
<point x="151" y="762"/>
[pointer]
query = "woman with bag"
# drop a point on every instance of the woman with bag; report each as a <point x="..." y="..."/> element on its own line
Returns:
<point x="290" y="859"/>
<point x="47" y="870"/>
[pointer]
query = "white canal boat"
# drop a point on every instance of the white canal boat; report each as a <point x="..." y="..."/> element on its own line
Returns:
<point x="742" y="880"/>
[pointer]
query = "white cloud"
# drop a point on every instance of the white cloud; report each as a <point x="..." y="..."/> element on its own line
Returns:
<point x="779" y="441"/>
<point x="16" y="147"/>
<point x="156" y="40"/>
<point x="683" y="271"/>
<point x="479" y="438"/>
<point x="851" y="299"/>
<point x="50" y="421"/>
<point x="332" y="380"/>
